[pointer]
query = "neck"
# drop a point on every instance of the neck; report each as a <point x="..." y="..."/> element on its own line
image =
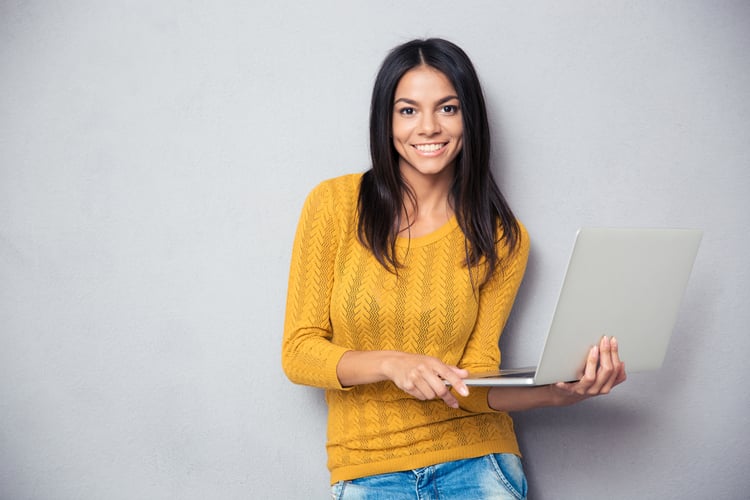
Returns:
<point x="432" y="206"/>
<point x="432" y="192"/>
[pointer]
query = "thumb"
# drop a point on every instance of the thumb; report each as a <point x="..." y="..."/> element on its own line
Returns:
<point x="461" y="372"/>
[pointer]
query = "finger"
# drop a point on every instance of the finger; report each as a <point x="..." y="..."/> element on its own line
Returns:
<point x="428" y="378"/>
<point x="420" y="377"/>
<point x="439" y="385"/>
<point x="451" y="400"/>
<point x="623" y="375"/>
<point x="436" y="389"/>
<point x="605" y="369"/>
<point x="617" y="367"/>
<point x="412" y="387"/>
<point x="618" y="363"/>
<point x="589" y="372"/>
<point x="454" y="377"/>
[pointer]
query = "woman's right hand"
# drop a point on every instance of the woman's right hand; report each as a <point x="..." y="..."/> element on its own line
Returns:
<point x="425" y="377"/>
<point x="421" y="376"/>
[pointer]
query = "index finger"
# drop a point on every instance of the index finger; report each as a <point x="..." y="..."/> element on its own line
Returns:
<point x="455" y="379"/>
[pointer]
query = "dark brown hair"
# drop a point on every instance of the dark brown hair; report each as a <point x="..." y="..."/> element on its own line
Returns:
<point x="478" y="203"/>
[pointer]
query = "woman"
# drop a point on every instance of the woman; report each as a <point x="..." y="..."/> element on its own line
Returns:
<point x="401" y="281"/>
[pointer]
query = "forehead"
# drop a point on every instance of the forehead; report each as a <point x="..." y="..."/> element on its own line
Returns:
<point x="424" y="83"/>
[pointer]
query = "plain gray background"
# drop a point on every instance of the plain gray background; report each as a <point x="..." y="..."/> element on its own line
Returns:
<point x="154" y="157"/>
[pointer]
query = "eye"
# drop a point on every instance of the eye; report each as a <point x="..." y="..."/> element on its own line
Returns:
<point x="406" y="111"/>
<point x="449" y="109"/>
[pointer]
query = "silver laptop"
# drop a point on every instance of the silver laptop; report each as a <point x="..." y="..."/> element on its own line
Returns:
<point x="626" y="283"/>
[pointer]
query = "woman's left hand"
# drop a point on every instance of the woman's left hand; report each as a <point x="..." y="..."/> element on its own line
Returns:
<point x="602" y="372"/>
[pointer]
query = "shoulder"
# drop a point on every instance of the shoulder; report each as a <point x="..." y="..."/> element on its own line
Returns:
<point x="522" y="246"/>
<point x="523" y="236"/>
<point x="334" y="200"/>
<point x="342" y="190"/>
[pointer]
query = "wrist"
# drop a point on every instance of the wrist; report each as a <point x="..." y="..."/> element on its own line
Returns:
<point x="364" y="367"/>
<point x="551" y="397"/>
<point x="386" y="361"/>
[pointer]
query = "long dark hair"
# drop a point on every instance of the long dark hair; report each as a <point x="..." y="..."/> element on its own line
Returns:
<point x="478" y="203"/>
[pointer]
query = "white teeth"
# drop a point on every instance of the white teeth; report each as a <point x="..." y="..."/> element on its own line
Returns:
<point x="429" y="148"/>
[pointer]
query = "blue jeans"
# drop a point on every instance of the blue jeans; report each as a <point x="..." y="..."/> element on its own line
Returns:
<point x="499" y="476"/>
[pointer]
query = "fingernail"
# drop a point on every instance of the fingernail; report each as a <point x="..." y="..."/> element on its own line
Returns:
<point x="463" y="391"/>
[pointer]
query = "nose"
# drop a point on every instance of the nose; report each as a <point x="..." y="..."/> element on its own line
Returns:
<point x="429" y="124"/>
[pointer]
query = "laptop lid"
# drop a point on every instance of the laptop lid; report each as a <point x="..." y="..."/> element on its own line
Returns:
<point x="622" y="282"/>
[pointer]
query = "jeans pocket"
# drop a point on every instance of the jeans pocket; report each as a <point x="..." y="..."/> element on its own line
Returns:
<point x="336" y="490"/>
<point x="510" y="472"/>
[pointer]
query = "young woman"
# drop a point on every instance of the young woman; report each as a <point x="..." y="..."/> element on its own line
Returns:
<point x="401" y="280"/>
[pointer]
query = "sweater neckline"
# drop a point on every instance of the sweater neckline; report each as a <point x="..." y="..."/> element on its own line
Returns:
<point x="439" y="233"/>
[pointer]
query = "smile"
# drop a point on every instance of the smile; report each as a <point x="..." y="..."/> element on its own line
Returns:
<point x="430" y="148"/>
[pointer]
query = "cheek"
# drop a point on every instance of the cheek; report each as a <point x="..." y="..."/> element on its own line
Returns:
<point x="457" y="127"/>
<point x="399" y="131"/>
<point x="397" y="142"/>
<point x="460" y="135"/>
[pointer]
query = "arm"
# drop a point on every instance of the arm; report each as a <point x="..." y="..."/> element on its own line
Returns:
<point x="496" y="298"/>
<point x="307" y="355"/>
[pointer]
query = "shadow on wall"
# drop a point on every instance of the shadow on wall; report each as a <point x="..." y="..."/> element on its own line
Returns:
<point x="594" y="429"/>
<point x="518" y="346"/>
<point x="638" y="418"/>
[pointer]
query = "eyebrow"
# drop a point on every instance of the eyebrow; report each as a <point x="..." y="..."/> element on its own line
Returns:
<point x="414" y="103"/>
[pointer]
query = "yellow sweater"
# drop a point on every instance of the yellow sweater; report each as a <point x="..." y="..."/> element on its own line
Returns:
<point x="340" y="298"/>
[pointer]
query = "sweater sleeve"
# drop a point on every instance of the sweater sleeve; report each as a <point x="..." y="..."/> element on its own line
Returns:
<point x="496" y="299"/>
<point x="308" y="356"/>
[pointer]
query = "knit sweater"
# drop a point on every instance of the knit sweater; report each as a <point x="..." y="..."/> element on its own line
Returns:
<point x="341" y="298"/>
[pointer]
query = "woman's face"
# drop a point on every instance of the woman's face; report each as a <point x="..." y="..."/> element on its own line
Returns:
<point x="427" y="124"/>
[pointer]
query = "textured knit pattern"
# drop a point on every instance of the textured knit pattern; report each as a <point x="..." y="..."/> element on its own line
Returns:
<point x="340" y="298"/>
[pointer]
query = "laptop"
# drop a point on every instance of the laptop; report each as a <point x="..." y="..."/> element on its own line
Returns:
<point x="621" y="282"/>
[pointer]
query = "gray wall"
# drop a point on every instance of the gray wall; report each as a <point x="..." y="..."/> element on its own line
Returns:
<point x="153" y="160"/>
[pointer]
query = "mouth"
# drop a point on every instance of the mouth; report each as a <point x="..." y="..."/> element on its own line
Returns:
<point x="430" y="148"/>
